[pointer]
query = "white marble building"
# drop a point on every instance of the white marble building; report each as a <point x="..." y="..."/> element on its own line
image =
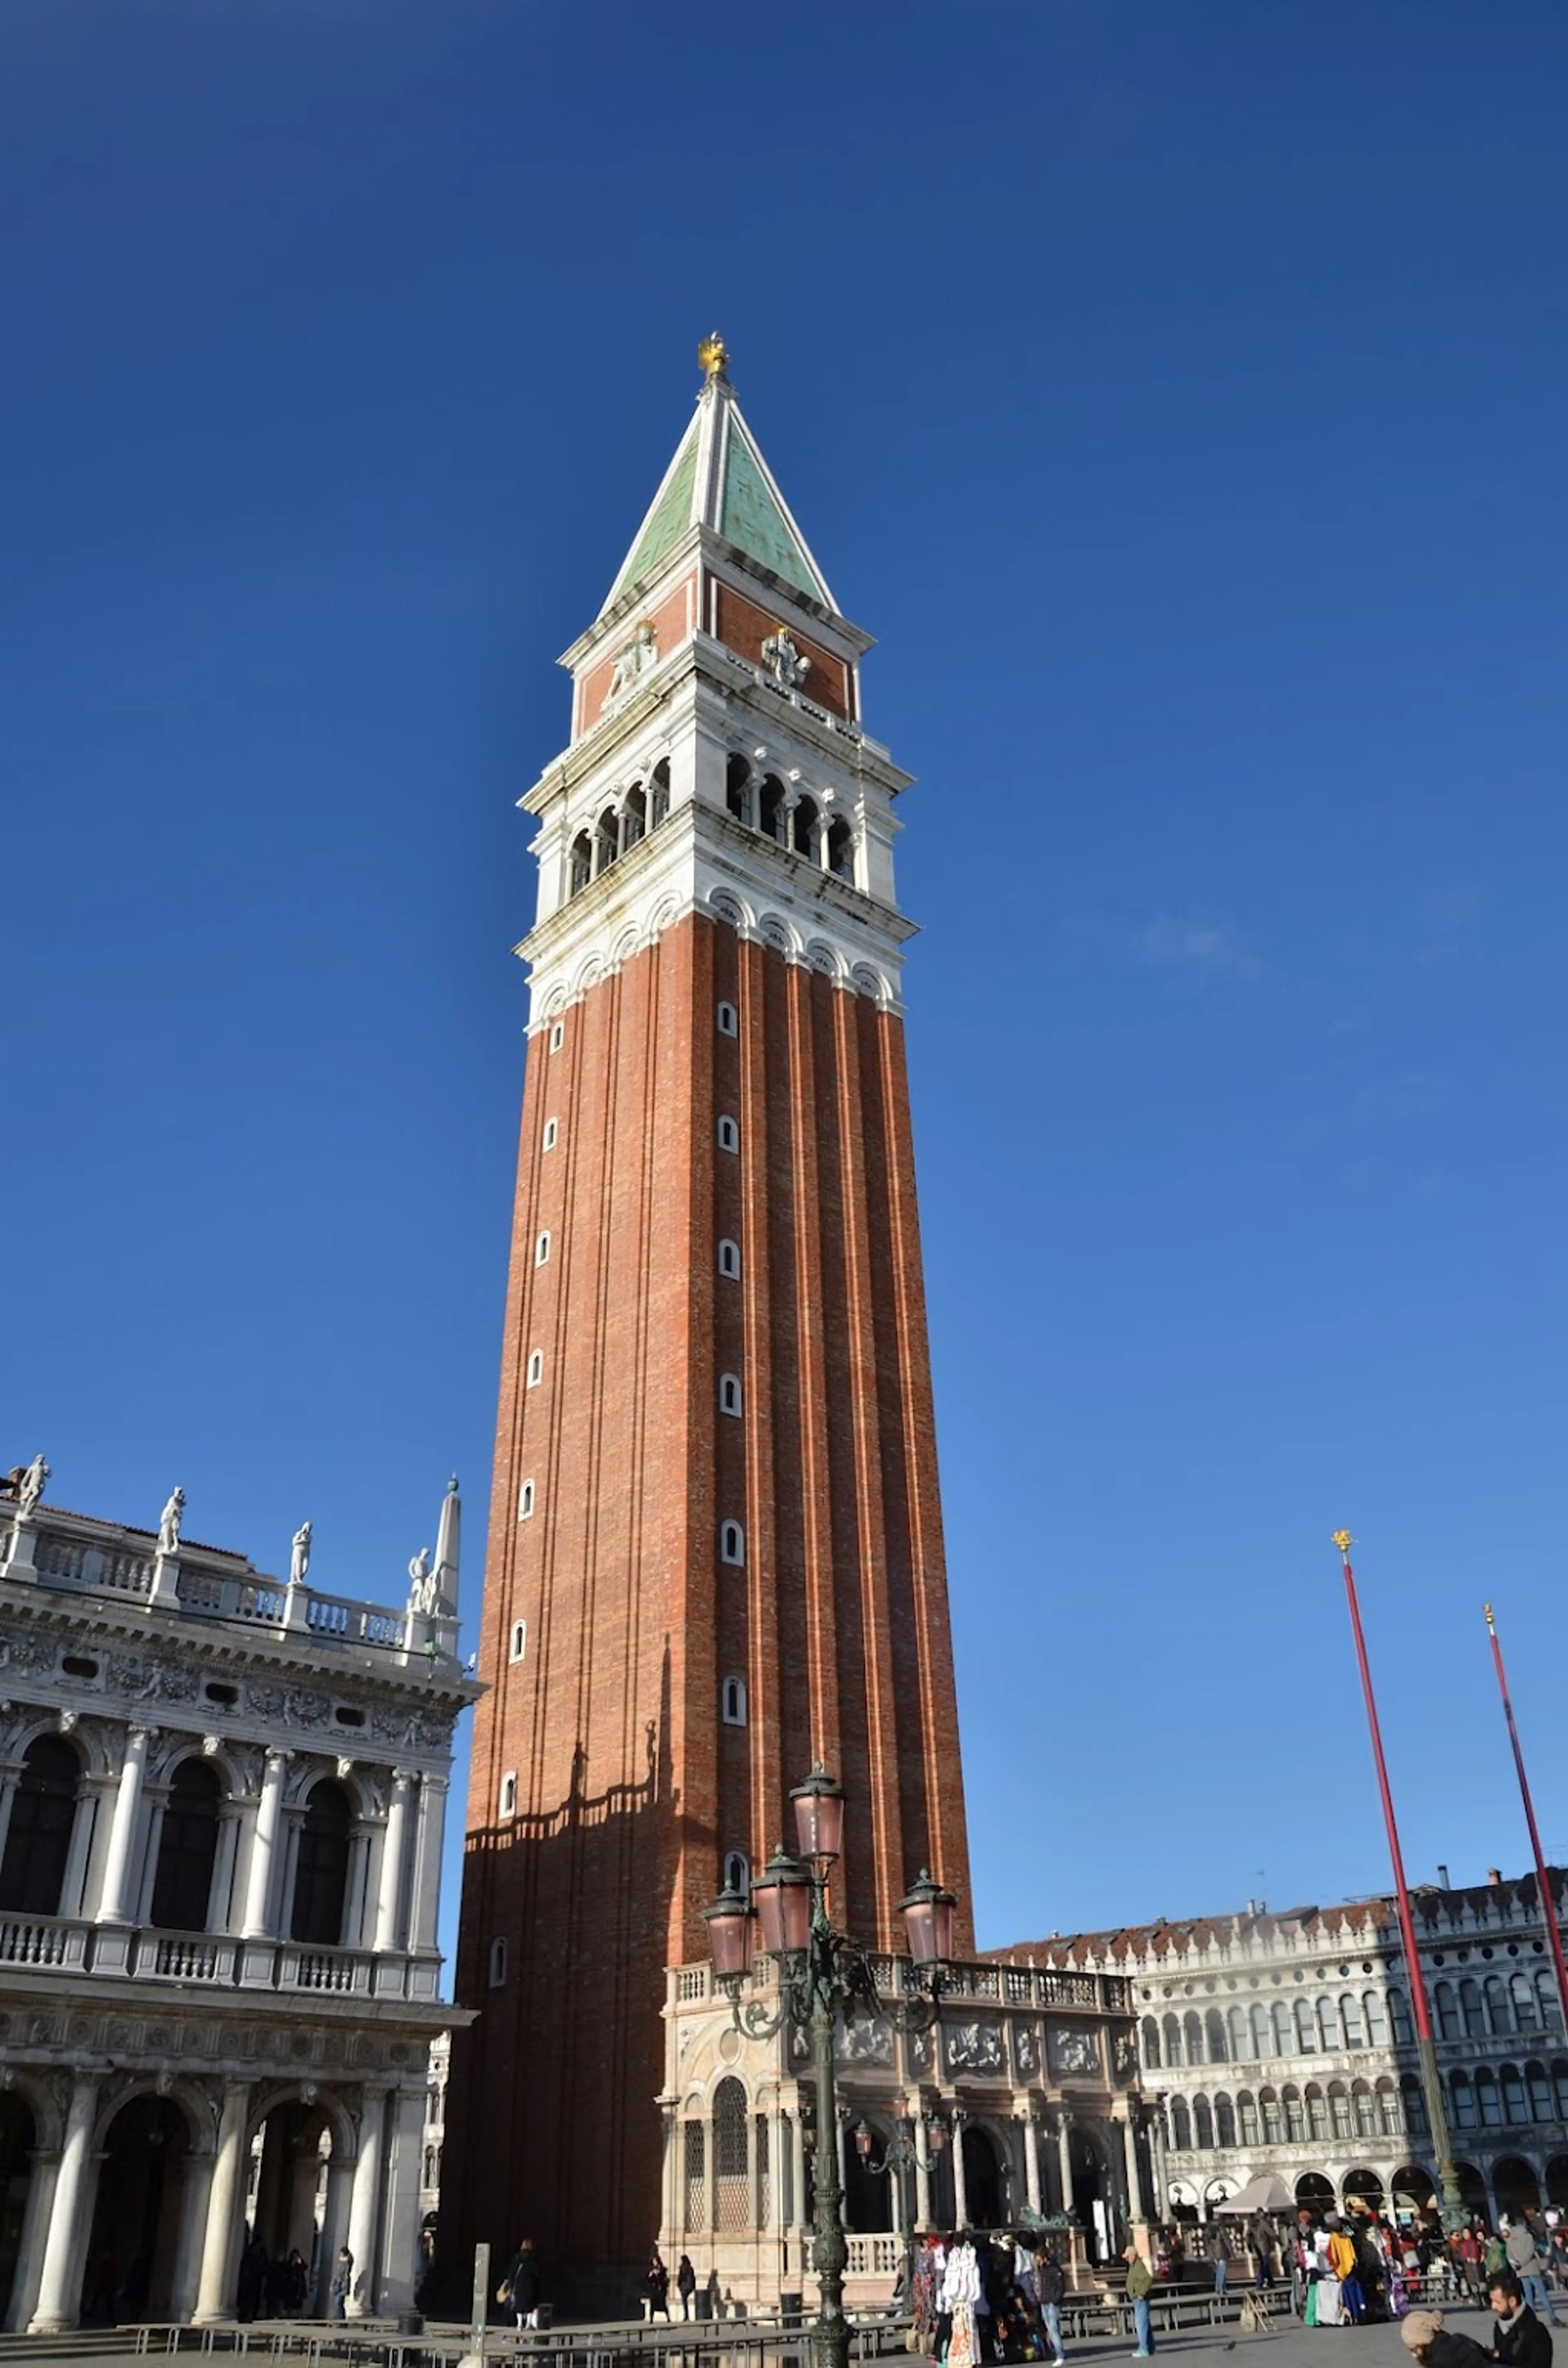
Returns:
<point x="1285" y="2044"/>
<point x="221" y="1809"/>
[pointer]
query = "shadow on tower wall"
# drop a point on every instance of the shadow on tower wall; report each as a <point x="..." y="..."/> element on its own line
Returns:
<point x="553" y="2125"/>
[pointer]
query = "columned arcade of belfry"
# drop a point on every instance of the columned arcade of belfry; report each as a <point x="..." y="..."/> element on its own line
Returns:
<point x="222" y="1799"/>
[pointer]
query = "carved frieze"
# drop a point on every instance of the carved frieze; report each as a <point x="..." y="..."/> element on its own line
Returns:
<point x="1074" y="2050"/>
<point x="974" y="2048"/>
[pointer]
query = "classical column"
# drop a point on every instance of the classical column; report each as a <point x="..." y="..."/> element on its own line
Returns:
<point x="36" y="2218"/>
<point x="1031" y="2161"/>
<point x="10" y="1776"/>
<point x="922" y="2167"/>
<point x="365" y="2204"/>
<point x="195" y="2204"/>
<point x="87" y="1825"/>
<point x="225" y="2197"/>
<point x="1157" y="2161"/>
<point x="389" y="1906"/>
<point x="1065" y="2160"/>
<point x="114" y="1898"/>
<point x="400" y="2248"/>
<point x="255" y="1925"/>
<point x="74" y="2186"/>
<point x="960" y="2190"/>
<point x="1136" y="2207"/>
<point x="334" y="2227"/>
<point x="427" y="1843"/>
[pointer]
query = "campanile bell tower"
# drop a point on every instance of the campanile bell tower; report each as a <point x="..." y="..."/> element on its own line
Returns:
<point x="715" y="1535"/>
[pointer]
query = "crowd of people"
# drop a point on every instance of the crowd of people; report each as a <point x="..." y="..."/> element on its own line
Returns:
<point x="996" y="2297"/>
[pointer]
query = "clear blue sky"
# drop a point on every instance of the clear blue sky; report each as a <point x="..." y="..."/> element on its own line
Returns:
<point x="1177" y="390"/>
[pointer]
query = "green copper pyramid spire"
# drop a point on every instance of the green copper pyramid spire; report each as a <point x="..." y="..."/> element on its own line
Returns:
<point x="720" y="480"/>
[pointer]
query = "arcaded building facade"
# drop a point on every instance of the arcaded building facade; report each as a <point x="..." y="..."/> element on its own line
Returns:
<point x="1285" y="2042"/>
<point x="221" y="1806"/>
<point x="716" y="1550"/>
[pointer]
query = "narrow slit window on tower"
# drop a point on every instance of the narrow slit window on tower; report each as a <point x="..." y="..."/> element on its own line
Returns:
<point x="498" y="1965"/>
<point x="552" y="1133"/>
<point x="509" y="1793"/>
<point x="803" y="827"/>
<point x="536" y="1368"/>
<point x="739" y="795"/>
<point x="729" y="1261"/>
<point x="737" y="1874"/>
<point x="659" y="804"/>
<point x="607" y="840"/>
<point x="558" y="1036"/>
<point x="733" y="1701"/>
<point x="525" y="1501"/>
<point x="729" y="1393"/>
<point x="729" y="1020"/>
<point x="771" y="814"/>
<point x="541" y="1250"/>
<point x="729" y="1135"/>
<point x="520" y="1651"/>
<point x="732" y="1542"/>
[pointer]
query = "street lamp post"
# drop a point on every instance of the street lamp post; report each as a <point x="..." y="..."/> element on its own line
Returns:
<point x="899" y="2159"/>
<point x="821" y="1970"/>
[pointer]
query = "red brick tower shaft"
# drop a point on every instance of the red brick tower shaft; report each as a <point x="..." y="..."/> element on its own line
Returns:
<point x="715" y="1543"/>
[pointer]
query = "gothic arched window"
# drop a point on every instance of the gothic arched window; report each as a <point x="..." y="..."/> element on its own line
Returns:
<point x="733" y="1701"/>
<point x="1181" y="2125"/>
<point x="187" y="1849"/>
<point x="732" y="1542"/>
<point x="1224" y="2121"/>
<point x="44" y="1818"/>
<point x="321" y="1870"/>
<point x="1214" y="2034"/>
<point x="1150" y="2037"/>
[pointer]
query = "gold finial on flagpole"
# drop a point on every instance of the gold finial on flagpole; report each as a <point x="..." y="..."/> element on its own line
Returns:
<point x="1344" y="1541"/>
<point x="713" y="355"/>
<point x="1490" y="1622"/>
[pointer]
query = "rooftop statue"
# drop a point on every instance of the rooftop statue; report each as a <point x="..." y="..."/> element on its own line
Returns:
<point x="169" y="1520"/>
<point x="300" y="1555"/>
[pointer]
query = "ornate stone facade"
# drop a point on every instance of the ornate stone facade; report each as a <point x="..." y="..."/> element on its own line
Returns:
<point x="1022" y="2097"/>
<point x="222" y="1810"/>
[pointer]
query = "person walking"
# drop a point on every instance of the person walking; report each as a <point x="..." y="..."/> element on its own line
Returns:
<point x="686" y="2284"/>
<point x="1525" y="2261"/>
<point x="1220" y="2254"/>
<point x="341" y="2285"/>
<point x="1051" y="2287"/>
<point x="1140" y="2284"/>
<point x="658" y="2285"/>
<point x="524" y="2288"/>
<point x="1467" y="2252"/>
<point x="1518" y="2336"/>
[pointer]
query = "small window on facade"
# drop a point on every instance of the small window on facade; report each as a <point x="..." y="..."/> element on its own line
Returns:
<point x="520" y="1640"/>
<point x="737" y="1874"/>
<point x="732" y="1542"/>
<point x="346" y="1715"/>
<point x="729" y="1135"/>
<point x="498" y="1965"/>
<point x="729" y="1261"/>
<point x="558" y="1036"/>
<point x="551" y="1133"/>
<point x="729" y="1393"/>
<point x="509" y="1793"/>
<point x="536" y="1368"/>
<point x="541" y="1250"/>
<point x="733" y="1701"/>
<point x="729" y="1020"/>
<point x="525" y="1501"/>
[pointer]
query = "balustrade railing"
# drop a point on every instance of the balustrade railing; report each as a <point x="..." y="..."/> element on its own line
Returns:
<point x="80" y="1563"/>
<point x="213" y="1959"/>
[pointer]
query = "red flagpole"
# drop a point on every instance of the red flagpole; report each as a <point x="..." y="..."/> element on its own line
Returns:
<point x="1453" y="2209"/>
<point x="1547" y="1906"/>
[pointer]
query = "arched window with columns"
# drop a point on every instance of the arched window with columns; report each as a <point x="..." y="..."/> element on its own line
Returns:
<point x="1149" y="2033"/>
<point x="187" y="1849"/>
<point x="42" y="1822"/>
<point x="321" y="1867"/>
<point x="732" y="2200"/>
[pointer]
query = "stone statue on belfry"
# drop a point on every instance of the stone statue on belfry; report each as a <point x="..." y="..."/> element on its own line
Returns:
<point x="29" y="1483"/>
<point x="421" y="1590"/>
<point x="300" y="1555"/>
